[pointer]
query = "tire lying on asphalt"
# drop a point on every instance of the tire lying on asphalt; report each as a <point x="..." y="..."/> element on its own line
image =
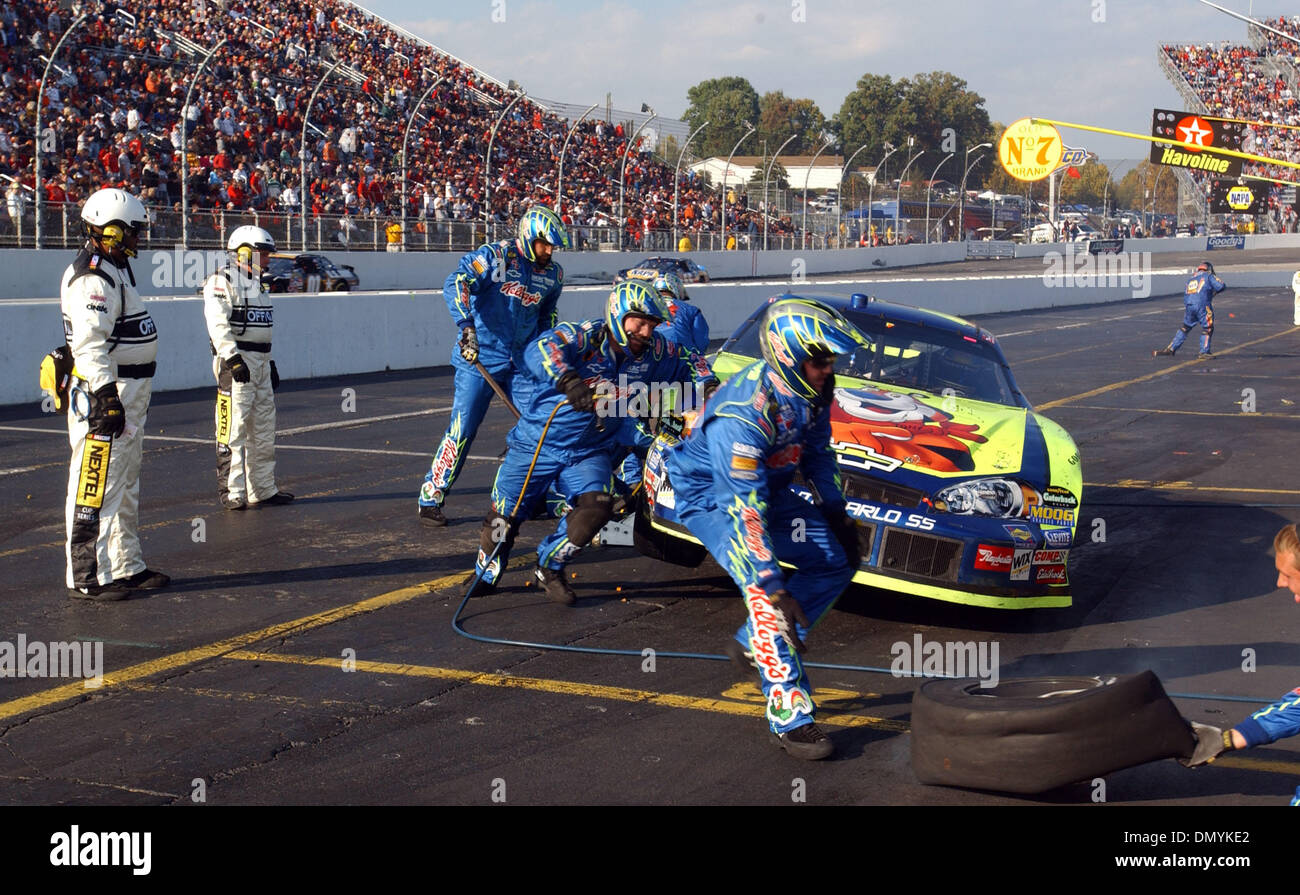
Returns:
<point x="1029" y="735"/>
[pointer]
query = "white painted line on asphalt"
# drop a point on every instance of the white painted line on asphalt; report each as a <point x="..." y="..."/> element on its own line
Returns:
<point x="319" y="427"/>
<point x="17" y="469"/>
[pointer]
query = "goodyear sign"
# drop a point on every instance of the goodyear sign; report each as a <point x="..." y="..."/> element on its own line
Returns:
<point x="1237" y="198"/>
<point x="1206" y="135"/>
<point x="1030" y="151"/>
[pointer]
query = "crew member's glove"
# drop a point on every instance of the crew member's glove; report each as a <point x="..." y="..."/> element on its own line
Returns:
<point x="107" y="415"/>
<point x="846" y="532"/>
<point x="468" y="344"/>
<point x="1210" y="742"/>
<point x="238" y="369"/>
<point x="788" y="615"/>
<point x="275" y="377"/>
<point x="582" y="397"/>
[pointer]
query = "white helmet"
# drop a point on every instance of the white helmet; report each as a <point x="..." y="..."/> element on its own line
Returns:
<point x="115" y="218"/>
<point x="248" y="235"/>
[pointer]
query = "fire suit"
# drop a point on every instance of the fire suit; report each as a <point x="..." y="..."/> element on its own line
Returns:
<point x="509" y="301"/>
<point x="731" y="479"/>
<point x="1197" y="298"/>
<point x="113" y="340"/>
<point x="687" y="327"/>
<point x="1272" y="723"/>
<point x="238" y="314"/>
<point x="577" y="452"/>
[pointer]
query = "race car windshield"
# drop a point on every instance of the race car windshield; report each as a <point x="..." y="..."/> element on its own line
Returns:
<point x="923" y="358"/>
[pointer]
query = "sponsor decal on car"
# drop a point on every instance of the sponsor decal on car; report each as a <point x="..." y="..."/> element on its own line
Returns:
<point x="991" y="558"/>
<point x="1020" y="562"/>
<point x="884" y="515"/>
<point x="1056" y="515"/>
<point x="1050" y="557"/>
<point x="1057" y="537"/>
<point x="1056" y="496"/>
<point x="1020" y="533"/>
<point x="1053" y="574"/>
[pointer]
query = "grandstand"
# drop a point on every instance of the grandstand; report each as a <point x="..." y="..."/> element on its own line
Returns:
<point x="114" y="107"/>
<point x="1259" y="82"/>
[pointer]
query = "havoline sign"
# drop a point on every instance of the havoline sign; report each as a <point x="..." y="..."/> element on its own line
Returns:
<point x="1189" y="127"/>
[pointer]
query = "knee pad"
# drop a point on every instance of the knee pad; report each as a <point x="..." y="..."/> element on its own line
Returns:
<point x="1186" y="329"/>
<point x="1208" y="330"/>
<point x="589" y="514"/>
<point x="497" y="529"/>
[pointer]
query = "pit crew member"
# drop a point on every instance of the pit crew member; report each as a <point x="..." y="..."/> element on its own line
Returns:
<point x="1197" y="308"/>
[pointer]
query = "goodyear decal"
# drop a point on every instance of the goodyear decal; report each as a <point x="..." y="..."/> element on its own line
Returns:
<point x="1056" y="496"/>
<point x="223" y="417"/>
<point x="93" y="480"/>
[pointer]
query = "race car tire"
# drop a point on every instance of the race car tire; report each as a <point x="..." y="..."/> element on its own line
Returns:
<point x="1031" y="735"/>
<point x="662" y="546"/>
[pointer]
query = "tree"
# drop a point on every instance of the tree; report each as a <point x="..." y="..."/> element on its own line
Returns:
<point x="1132" y="191"/>
<point x="1089" y="188"/>
<point x="936" y="108"/>
<point x="724" y="103"/>
<point x="779" y="116"/>
<point x="779" y="176"/>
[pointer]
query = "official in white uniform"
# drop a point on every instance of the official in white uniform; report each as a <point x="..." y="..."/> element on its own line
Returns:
<point x="114" y="345"/>
<point x="238" y="313"/>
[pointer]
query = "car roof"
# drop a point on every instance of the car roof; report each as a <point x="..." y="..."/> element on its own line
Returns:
<point x="888" y="310"/>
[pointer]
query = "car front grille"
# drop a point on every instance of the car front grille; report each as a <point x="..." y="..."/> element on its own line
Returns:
<point x="922" y="555"/>
<point x="878" y="491"/>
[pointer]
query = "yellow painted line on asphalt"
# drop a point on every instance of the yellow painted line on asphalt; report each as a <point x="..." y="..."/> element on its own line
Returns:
<point x="1059" y="402"/>
<point x="1256" y="764"/>
<point x="184" y="658"/>
<point x="566" y="688"/>
<point x="1182" y="486"/>
<point x="1232" y="413"/>
<point x="1030" y="360"/>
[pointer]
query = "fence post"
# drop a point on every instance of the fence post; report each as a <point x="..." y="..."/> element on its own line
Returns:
<point x="63" y="212"/>
<point x="317" y="217"/>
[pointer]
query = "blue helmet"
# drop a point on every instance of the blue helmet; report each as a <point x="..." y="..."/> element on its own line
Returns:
<point x="632" y="297"/>
<point x="795" y="330"/>
<point x="539" y="222"/>
<point x="669" y="285"/>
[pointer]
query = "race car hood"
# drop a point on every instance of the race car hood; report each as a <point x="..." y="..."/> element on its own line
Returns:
<point x="887" y="429"/>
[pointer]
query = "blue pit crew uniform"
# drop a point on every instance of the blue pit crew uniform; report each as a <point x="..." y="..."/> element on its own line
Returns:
<point x="1272" y="723"/>
<point x="731" y="480"/>
<point x="577" y="454"/>
<point x="688" y="326"/>
<point x="509" y="302"/>
<point x="1197" y="308"/>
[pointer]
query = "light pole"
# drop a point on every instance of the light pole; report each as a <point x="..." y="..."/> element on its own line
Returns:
<point x="487" y="160"/>
<point x="559" y="182"/>
<point x="622" y="174"/>
<point x="928" y="187"/>
<point x="185" y="155"/>
<point x="406" y="137"/>
<point x="767" y="212"/>
<point x="871" y="183"/>
<point x="302" y="151"/>
<point x="1154" y="187"/>
<point x="677" y="177"/>
<point x="961" y="213"/>
<point x="898" y="198"/>
<point x="839" y="191"/>
<point x="725" y="172"/>
<point x="37" y="145"/>
<point x="803" y="236"/>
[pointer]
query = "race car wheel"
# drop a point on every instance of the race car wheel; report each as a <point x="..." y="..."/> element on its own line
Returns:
<point x="661" y="545"/>
<point x="1030" y="735"/>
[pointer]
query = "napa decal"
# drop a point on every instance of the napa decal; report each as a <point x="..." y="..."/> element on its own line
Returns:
<point x="902" y="429"/>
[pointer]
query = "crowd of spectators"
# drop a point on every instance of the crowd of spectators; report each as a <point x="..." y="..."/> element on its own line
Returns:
<point x="116" y="96"/>
<point x="1254" y="85"/>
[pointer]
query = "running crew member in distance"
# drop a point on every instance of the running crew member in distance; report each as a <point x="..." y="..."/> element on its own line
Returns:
<point x="238" y="313"/>
<point x="502" y="296"/>
<point x="113" y="343"/>
<point x="1197" y="308"/>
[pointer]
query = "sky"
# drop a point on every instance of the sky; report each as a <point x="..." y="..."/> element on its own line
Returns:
<point x="1084" y="61"/>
